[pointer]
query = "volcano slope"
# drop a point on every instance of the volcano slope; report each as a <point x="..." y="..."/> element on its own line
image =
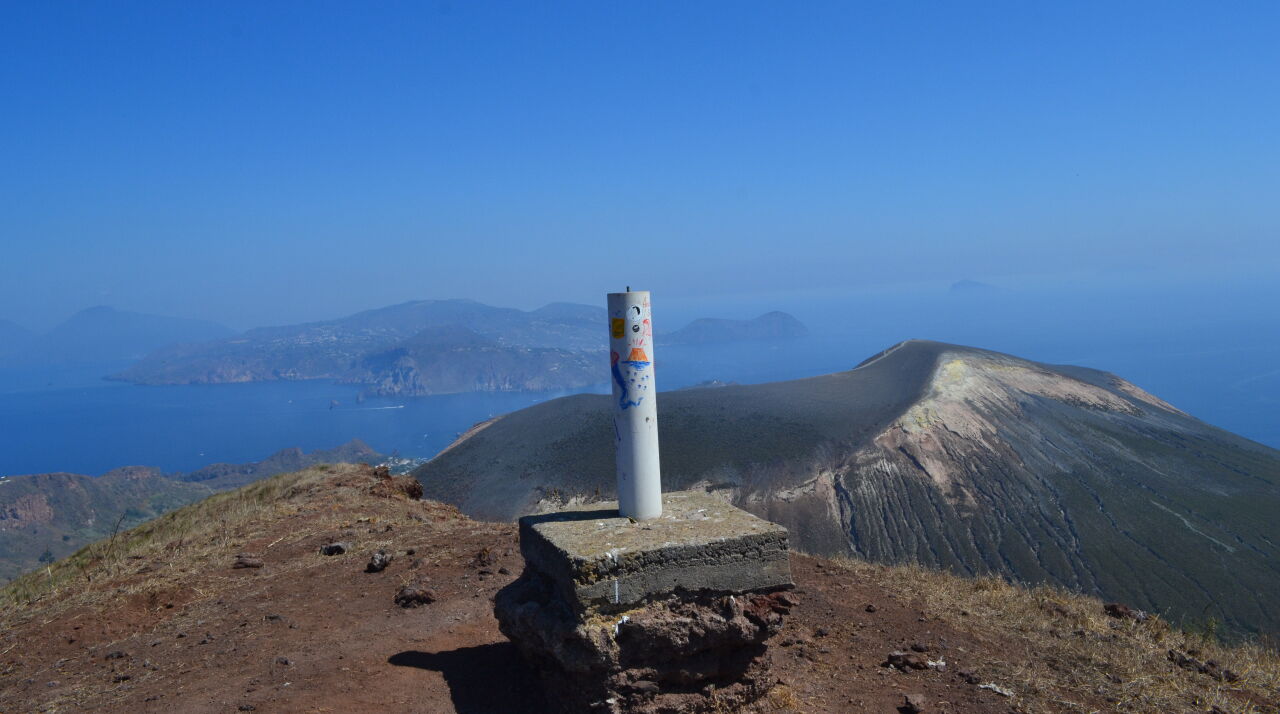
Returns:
<point x="947" y="456"/>
<point x="160" y="619"/>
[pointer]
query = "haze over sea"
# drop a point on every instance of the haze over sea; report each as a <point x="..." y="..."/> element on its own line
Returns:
<point x="1110" y="168"/>
<point x="1214" y="354"/>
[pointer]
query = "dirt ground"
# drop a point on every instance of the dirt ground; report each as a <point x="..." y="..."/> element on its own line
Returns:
<point x="307" y="632"/>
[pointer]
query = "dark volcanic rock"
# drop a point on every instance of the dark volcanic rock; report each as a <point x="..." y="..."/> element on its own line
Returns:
<point x="906" y="661"/>
<point x="388" y="485"/>
<point x="1212" y="668"/>
<point x="1124" y="612"/>
<point x="914" y="703"/>
<point x="661" y="657"/>
<point x="415" y="595"/>
<point x="378" y="562"/>
<point x="335" y="548"/>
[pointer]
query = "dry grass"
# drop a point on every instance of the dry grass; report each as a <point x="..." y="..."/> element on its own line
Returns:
<point x="780" y="698"/>
<point x="1060" y="652"/>
<point x="171" y="547"/>
<point x="1057" y="652"/>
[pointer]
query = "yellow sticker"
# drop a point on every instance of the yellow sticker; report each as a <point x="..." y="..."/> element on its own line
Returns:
<point x="617" y="327"/>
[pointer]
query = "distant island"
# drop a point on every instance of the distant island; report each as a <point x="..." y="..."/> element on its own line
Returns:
<point x="769" y="326"/>
<point x="416" y="348"/>
<point x="411" y="349"/>
<point x="430" y="347"/>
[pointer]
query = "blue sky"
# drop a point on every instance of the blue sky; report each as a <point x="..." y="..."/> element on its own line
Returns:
<point x="259" y="163"/>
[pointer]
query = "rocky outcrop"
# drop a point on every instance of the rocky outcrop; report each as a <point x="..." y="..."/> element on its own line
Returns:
<point x="680" y="655"/>
<point x="454" y="360"/>
<point x="48" y="516"/>
<point x="28" y="509"/>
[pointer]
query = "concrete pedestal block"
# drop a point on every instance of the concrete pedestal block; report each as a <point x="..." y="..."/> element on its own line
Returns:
<point x="700" y="543"/>
<point x="670" y="614"/>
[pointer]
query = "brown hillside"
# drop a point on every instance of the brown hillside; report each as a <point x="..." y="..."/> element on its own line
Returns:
<point x="160" y="619"/>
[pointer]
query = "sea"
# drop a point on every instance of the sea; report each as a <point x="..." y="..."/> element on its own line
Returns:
<point x="1209" y="347"/>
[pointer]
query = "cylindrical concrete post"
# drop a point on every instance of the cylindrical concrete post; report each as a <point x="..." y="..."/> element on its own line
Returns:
<point x="635" y="405"/>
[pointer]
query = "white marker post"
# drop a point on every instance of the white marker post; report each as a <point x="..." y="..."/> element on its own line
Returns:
<point x="635" y="405"/>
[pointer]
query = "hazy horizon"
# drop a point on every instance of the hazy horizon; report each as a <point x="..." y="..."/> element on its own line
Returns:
<point x="270" y="164"/>
<point x="1142" y="295"/>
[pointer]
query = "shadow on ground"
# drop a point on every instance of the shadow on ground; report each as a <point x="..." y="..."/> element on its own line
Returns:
<point x="483" y="679"/>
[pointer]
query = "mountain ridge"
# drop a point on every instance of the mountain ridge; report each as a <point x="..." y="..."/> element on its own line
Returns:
<point x="956" y="457"/>
<point x="47" y="516"/>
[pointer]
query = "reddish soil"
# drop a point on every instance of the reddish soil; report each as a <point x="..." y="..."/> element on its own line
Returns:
<point x="308" y="633"/>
